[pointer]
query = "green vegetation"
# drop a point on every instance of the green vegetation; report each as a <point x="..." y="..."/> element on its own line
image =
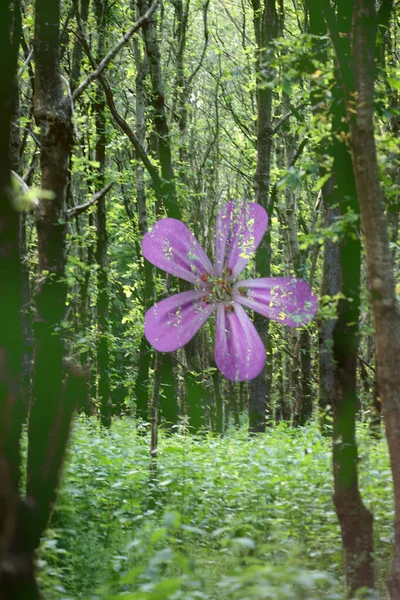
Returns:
<point x="220" y="517"/>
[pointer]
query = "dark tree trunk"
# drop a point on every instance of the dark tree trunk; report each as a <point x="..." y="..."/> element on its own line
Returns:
<point x="306" y="408"/>
<point x="330" y="286"/>
<point x="160" y="113"/>
<point x="168" y="191"/>
<point x="16" y="556"/>
<point x="142" y="380"/>
<point x="103" y="350"/>
<point x="53" y="400"/>
<point x="145" y="351"/>
<point x="380" y="276"/>
<point x="168" y="397"/>
<point x="331" y="261"/>
<point x="264" y="26"/>
<point x="22" y="523"/>
<point x="27" y="333"/>
<point x="355" y="520"/>
<point x="218" y="400"/>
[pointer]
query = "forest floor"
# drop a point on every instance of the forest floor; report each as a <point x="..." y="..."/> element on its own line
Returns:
<point x="214" y="518"/>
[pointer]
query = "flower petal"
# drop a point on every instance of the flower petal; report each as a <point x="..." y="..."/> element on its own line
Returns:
<point x="239" y="351"/>
<point x="171" y="323"/>
<point x="283" y="299"/>
<point x="240" y="228"/>
<point x="171" y="246"/>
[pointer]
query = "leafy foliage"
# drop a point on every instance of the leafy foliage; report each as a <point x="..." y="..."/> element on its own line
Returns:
<point x="227" y="518"/>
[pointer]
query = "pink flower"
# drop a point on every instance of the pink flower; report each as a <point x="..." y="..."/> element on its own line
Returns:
<point x="171" y="323"/>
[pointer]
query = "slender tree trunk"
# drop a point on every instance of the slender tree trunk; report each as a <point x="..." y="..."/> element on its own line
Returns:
<point x="54" y="389"/>
<point x="355" y="520"/>
<point x="330" y="287"/>
<point x="219" y="401"/>
<point x="52" y="407"/>
<point x="264" y="26"/>
<point x="160" y="113"/>
<point x="331" y="261"/>
<point x="385" y="308"/>
<point x="145" y="353"/>
<point x="168" y="191"/>
<point x="103" y="350"/>
<point x="26" y="314"/>
<point x="17" y="579"/>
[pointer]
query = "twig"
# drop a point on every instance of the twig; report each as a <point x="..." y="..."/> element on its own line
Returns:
<point x="291" y="112"/>
<point x="206" y="37"/>
<point x="114" y="51"/>
<point x="124" y="125"/>
<point x="298" y="152"/>
<point x="77" y="210"/>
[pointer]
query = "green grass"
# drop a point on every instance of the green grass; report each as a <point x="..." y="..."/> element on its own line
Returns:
<point x="226" y="518"/>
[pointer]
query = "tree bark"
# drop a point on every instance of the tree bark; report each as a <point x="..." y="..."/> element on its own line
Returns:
<point x="16" y="556"/>
<point x="145" y="351"/>
<point x="103" y="350"/>
<point x="264" y="27"/>
<point x="160" y="113"/>
<point x="53" y="401"/>
<point x="330" y="287"/>
<point x="354" y="518"/>
<point x="380" y="276"/>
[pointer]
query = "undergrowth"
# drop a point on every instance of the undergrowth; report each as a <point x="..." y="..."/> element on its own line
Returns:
<point x="214" y="518"/>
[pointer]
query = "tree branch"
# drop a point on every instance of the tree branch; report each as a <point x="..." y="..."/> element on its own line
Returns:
<point x="121" y="122"/>
<point x="114" y="51"/>
<point x="292" y="112"/>
<point x="298" y="152"/>
<point x="206" y="37"/>
<point x="77" y="210"/>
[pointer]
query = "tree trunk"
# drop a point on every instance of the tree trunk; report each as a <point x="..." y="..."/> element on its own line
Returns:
<point x="380" y="275"/>
<point x="264" y="26"/>
<point x="27" y="333"/>
<point x="145" y="352"/>
<point x="355" y="520"/>
<point x="103" y="350"/>
<point x="331" y="260"/>
<point x="16" y="556"/>
<point x="218" y="400"/>
<point x="160" y="113"/>
<point x="53" y="399"/>
<point x="330" y="287"/>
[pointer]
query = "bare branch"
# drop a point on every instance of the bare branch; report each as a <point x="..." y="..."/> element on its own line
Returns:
<point x="107" y="59"/>
<point x="206" y="37"/>
<point x="77" y="210"/>
<point x="121" y="122"/>
<point x="292" y="112"/>
<point x="35" y="139"/>
<point x="298" y="152"/>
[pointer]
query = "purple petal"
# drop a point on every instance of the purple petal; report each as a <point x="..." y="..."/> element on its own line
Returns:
<point x="240" y="228"/>
<point x="283" y="299"/>
<point x="239" y="351"/>
<point x="170" y="246"/>
<point x="171" y="323"/>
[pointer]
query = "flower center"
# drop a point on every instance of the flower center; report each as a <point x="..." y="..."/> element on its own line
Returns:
<point x="221" y="290"/>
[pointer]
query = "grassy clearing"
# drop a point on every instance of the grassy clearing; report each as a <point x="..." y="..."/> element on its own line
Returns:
<point x="219" y="518"/>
